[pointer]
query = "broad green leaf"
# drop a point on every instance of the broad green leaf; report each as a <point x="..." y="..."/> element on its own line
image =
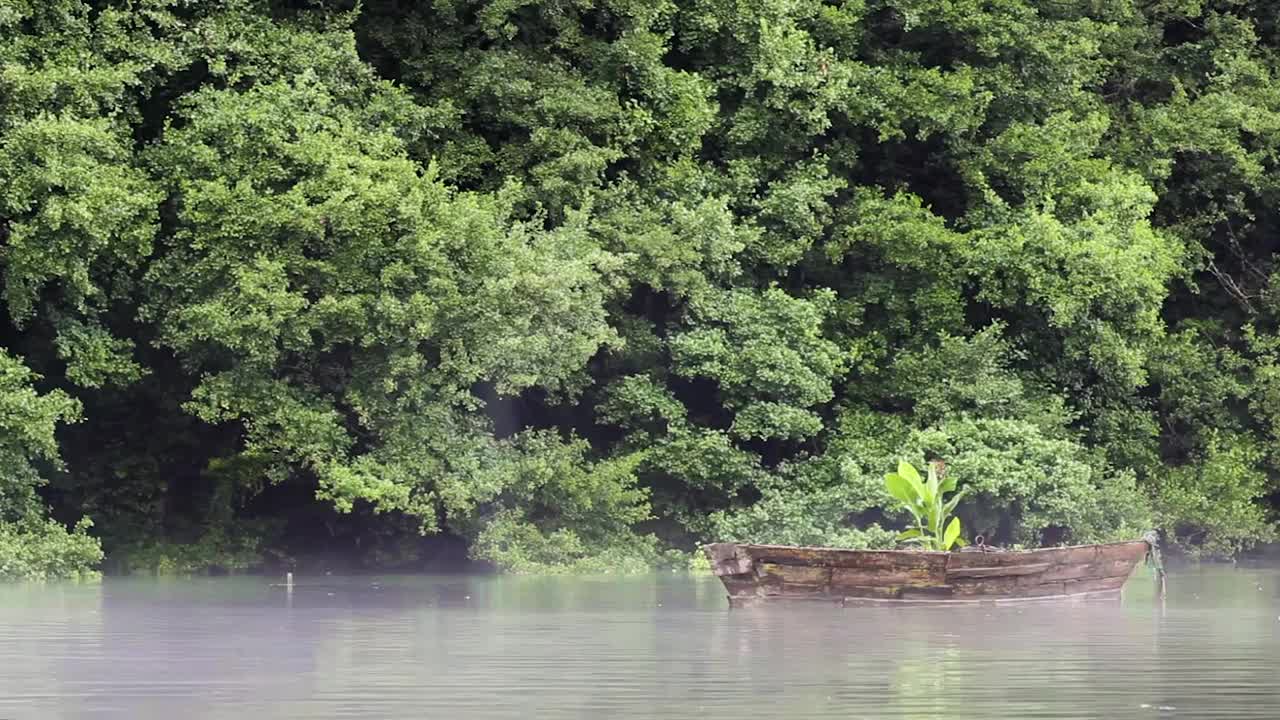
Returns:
<point x="909" y="534"/>
<point x="901" y="489"/>
<point x="926" y="496"/>
<point x="952" y="534"/>
<point x="920" y="489"/>
<point x="908" y="471"/>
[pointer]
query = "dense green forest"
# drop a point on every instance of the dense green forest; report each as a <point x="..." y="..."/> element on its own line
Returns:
<point x="582" y="283"/>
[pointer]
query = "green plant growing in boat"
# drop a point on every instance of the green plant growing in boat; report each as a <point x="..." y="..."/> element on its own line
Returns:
<point x="926" y="500"/>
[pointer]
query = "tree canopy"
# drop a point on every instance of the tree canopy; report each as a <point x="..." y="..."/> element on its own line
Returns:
<point x="584" y="284"/>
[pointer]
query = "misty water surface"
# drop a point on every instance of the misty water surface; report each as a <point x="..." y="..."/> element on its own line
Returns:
<point x="656" y="647"/>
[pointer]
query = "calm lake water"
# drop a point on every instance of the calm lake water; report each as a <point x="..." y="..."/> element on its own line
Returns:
<point x="656" y="647"/>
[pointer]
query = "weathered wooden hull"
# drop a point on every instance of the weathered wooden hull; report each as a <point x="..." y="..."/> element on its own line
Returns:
<point x="762" y="574"/>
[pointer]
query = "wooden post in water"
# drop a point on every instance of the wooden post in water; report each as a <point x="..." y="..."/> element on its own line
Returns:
<point x="1156" y="563"/>
<point x="288" y="581"/>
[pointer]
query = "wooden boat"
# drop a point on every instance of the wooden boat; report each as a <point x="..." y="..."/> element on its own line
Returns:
<point x="764" y="574"/>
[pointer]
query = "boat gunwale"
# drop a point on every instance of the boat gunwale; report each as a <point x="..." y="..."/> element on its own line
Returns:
<point x="931" y="553"/>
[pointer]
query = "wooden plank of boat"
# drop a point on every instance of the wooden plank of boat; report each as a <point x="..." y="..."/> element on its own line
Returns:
<point x="728" y="558"/>
<point x="1099" y="568"/>
<point x="753" y="573"/>
<point x="996" y="571"/>
<point x="793" y="575"/>
<point x="1056" y="556"/>
<point x="733" y="554"/>
<point x="893" y="569"/>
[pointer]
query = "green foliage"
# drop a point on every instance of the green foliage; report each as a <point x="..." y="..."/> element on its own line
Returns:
<point x="1210" y="505"/>
<point x="512" y="543"/>
<point x="797" y="517"/>
<point x="974" y="377"/>
<point x="761" y="347"/>
<point x="935" y="528"/>
<point x="1027" y="486"/>
<point x="36" y="549"/>
<point x="218" y="548"/>
<point x="32" y="546"/>
<point x="578" y="283"/>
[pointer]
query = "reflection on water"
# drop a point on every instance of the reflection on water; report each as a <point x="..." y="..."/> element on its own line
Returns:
<point x="659" y="647"/>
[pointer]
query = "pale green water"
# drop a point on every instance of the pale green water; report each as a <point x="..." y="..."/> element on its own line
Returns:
<point x="657" y="647"/>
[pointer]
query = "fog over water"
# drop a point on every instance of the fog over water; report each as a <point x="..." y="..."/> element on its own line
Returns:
<point x="619" y="648"/>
